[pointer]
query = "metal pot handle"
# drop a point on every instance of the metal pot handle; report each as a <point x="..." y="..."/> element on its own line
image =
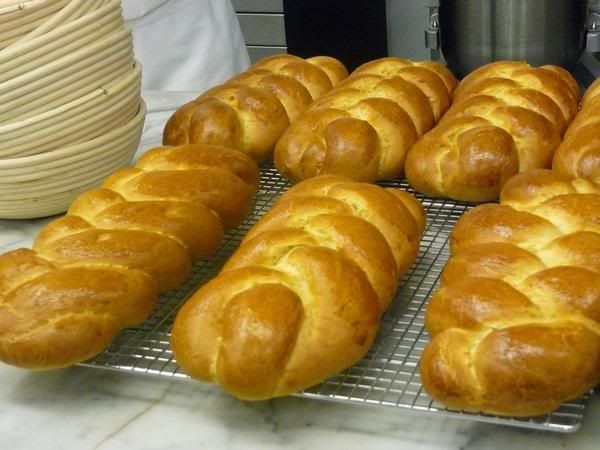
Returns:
<point x="593" y="27"/>
<point x="432" y="33"/>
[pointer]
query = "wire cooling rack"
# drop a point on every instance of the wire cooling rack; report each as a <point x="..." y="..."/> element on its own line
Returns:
<point x="388" y="375"/>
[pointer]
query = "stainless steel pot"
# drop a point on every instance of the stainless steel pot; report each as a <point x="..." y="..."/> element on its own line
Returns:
<point x="476" y="32"/>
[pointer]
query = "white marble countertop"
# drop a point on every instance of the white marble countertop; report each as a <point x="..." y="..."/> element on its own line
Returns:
<point x="81" y="408"/>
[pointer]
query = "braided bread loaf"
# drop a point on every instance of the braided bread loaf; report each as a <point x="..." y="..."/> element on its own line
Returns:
<point x="579" y="154"/>
<point x="507" y="117"/>
<point x="363" y="128"/>
<point x="251" y="111"/>
<point x="516" y="322"/>
<point x="99" y="269"/>
<point x="301" y="298"/>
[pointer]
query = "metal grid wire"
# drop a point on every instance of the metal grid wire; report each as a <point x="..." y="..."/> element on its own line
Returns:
<point x="388" y="375"/>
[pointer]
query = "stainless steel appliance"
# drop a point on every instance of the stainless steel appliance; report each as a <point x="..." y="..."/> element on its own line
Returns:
<point x="471" y="33"/>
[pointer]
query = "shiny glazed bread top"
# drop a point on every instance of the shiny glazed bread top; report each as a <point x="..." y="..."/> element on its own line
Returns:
<point x="250" y="111"/>
<point x="506" y="118"/>
<point x="99" y="268"/>
<point x="363" y="128"/>
<point x="302" y="297"/>
<point x="515" y="325"/>
<point x="578" y="156"/>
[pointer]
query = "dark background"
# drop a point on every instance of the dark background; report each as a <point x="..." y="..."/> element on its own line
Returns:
<point x="353" y="31"/>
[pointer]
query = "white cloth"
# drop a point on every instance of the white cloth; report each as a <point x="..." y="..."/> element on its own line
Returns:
<point x="185" y="45"/>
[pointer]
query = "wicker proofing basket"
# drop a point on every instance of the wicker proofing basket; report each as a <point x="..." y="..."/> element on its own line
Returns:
<point x="19" y="18"/>
<point x="72" y="11"/>
<point x="58" y="88"/>
<point x="76" y="36"/>
<point x="54" y="189"/>
<point x="77" y="121"/>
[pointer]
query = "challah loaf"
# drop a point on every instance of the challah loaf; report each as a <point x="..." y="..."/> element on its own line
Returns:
<point x="250" y="111"/>
<point x="515" y="325"/>
<point x="579" y="153"/>
<point x="363" y="128"/>
<point x="507" y="117"/>
<point x="301" y="298"/>
<point x="99" y="269"/>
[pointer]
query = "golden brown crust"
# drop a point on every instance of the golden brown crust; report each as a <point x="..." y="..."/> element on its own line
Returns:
<point x="250" y="111"/>
<point x="292" y="94"/>
<point x="193" y="226"/>
<point x="592" y="92"/>
<point x="567" y="77"/>
<point x="472" y="158"/>
<point x="334" y="69"/>
<point x="53" y="316"/>
<point x="363" y="128"/>
<point x="578" y="156"/>
<point x="251" y="360"/>
<point x="515" y="325"/>
<point x="506" y="118"/>
<point x="163" y="259"/>
<point x="100" y="268"/>
<point x="430" y="78"/>
<point x="301" y="298"/>
<point x="447" y="77"/>
<point x="306" y="147"/>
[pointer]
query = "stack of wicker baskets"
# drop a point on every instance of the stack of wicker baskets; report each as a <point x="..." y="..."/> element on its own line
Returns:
<point x="71" y="111"/>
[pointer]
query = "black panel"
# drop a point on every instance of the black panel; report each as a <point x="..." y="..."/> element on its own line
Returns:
<point x="353" y="31"/>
